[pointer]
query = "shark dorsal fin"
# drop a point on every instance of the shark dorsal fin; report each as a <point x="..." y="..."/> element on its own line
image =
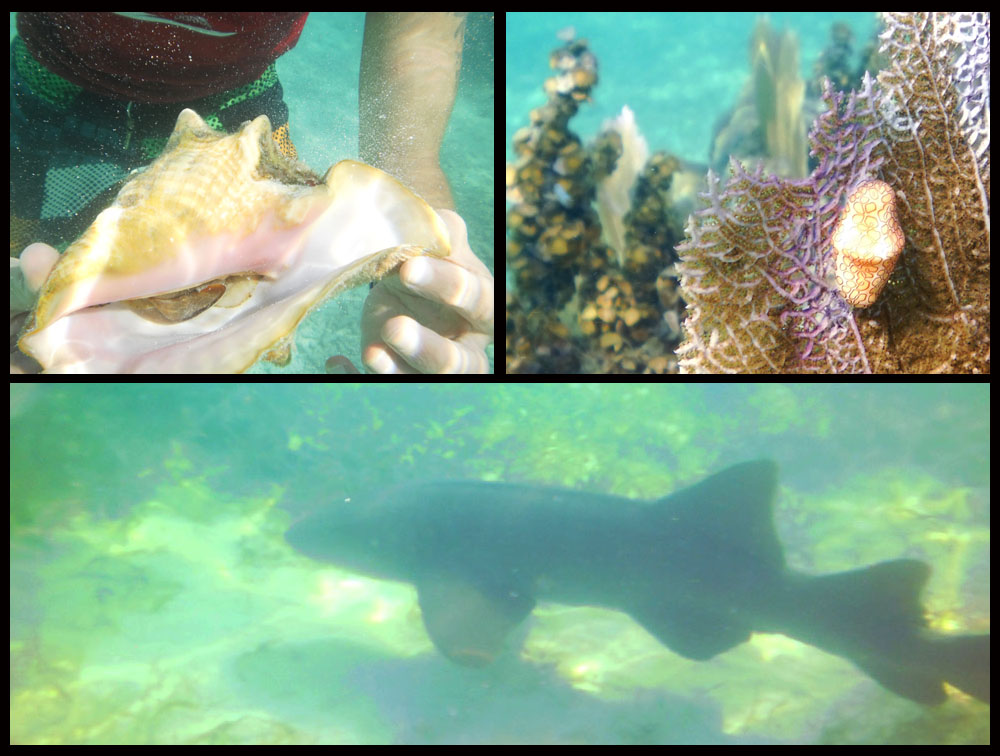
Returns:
<point x="732" y="508"/>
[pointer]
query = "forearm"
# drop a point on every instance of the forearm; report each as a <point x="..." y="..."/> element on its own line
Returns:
<point x="409" y="73"/>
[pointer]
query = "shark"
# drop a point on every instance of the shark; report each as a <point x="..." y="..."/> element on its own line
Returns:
<point x="700" y="569"/>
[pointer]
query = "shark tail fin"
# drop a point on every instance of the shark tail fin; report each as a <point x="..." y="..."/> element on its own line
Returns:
<point x="962" y="661"/>
<point x="966" y="663"/>
<point x="873" y="617"/>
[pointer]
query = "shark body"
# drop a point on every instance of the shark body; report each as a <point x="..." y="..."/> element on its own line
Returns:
<point x="701" y="569"/>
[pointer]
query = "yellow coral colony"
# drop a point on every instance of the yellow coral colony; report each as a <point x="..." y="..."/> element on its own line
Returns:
<point x="867" y="242"/>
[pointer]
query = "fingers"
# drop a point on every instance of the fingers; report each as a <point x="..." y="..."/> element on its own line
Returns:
<point x="442" y="281"/>
<point x="408" y="347"/>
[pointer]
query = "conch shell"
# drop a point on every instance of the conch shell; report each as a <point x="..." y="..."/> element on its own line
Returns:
<point x="212" y="256"/>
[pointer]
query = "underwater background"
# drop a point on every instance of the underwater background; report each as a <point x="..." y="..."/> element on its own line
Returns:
<point x="154" y="599"/>
<point x="678" y="72"/>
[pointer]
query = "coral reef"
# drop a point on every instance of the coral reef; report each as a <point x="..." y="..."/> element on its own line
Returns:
<point x="586" y="300"/>
<point x="757" y="269"/>
<point x="551" y="186"/>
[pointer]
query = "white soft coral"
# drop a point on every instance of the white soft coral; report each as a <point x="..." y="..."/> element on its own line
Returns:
<point x="614" y="193"/>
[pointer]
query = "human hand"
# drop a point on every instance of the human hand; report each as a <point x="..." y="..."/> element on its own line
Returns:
<point x="27" y="274"/>
<point x="436" y="316"/>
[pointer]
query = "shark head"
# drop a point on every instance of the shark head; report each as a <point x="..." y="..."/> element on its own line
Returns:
<point x="350" y="534"/>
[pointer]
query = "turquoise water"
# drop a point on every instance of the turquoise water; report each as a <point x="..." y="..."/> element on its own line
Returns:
<point x="677" y="71"/>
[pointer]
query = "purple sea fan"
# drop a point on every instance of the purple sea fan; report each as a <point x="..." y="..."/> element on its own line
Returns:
<point x="935" y="102"/>
<point x="756" y="270"/>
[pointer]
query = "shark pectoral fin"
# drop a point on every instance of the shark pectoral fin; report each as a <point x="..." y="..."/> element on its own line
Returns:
<point x="691" y="633"/>
<point x="469" y="625"/>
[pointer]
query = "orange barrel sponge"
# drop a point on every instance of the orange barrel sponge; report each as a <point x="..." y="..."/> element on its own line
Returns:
<point x="867" y="241"/>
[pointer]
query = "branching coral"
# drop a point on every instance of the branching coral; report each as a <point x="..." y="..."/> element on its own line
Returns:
<point x="580" y="305"/>
<point x="758" y="286"/>
<point x="936" y="132"/>
<point x="757" y="268"/>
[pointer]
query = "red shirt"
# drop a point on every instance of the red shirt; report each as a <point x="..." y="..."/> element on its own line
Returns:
<point x="159" y="57"/>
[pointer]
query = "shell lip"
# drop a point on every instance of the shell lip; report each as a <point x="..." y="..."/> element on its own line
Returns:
<point x="357" y="224"/>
